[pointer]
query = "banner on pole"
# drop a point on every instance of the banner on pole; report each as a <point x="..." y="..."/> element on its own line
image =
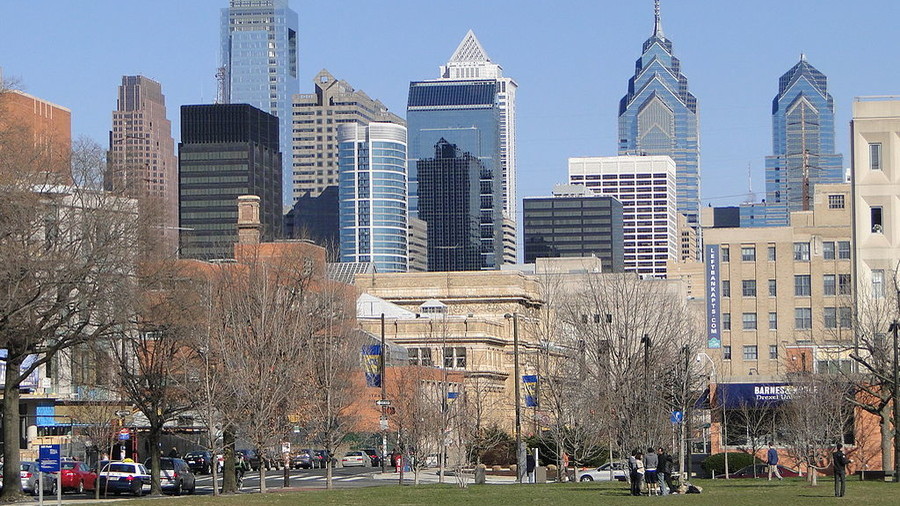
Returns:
<point x="372" y="361"/>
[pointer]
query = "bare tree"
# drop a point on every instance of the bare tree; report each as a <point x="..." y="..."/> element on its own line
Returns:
<point x="757" y="422"/>
<point x="68" y="260"/>
<point x="418" y="416"/>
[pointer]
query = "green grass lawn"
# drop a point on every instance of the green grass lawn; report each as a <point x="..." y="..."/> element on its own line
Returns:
<point x="715" y="493"/>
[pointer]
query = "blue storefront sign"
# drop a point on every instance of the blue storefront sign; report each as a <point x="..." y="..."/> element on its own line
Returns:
<point x="711" y="258"/>
<point x="738" y="395"/>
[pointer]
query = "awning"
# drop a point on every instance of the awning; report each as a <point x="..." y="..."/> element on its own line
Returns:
<point x="740" y="395"/>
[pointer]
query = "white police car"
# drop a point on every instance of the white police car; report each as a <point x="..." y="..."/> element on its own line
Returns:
<point x="125" y="476"/>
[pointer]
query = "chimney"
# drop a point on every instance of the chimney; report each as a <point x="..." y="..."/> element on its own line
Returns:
<point x="249" y="227"/>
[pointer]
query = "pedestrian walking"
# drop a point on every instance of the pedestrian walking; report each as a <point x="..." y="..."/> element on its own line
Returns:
<point x="664" y="471"/>
<point x="839" y="460"/>
<point x="651" y="461"/>
<point x="635" y="471"/>
<point x="530" y="464"/>
<point x="772" y="461"/>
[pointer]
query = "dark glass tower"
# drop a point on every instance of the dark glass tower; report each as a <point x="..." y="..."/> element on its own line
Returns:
<point x="317" y="219"/>
<point x="226" y="150"/>
<point x="466" y="114"/>
<point x="803" y="143"/>
<point x="658" y="116"/>
<point x="450" y="203"/>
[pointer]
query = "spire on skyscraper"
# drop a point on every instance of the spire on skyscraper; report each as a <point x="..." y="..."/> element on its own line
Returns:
<point x="657" y="22"/>
<point x="470" y="50"/>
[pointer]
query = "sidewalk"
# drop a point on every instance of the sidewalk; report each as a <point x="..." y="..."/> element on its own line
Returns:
<point x="430" y="475"/>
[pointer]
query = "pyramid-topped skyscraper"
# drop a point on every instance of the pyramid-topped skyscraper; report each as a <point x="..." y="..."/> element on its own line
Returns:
<point x="658" y="116"/>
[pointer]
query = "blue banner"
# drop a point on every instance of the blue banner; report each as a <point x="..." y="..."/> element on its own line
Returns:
<point x="738" y="395"/>
<point x="711" y="258"/>
<point x="372" y="361"/>
<point x="530" y="383"/>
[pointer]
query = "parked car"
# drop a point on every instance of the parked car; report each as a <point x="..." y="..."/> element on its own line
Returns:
<point x="607" y="472"/>
<point x="118" y="477"/>
<point x="200" y="462"/>
<point x="76" y="476"/>
<point x="355" y="459"/>
<point x="321" y="458"/>
<point x="252" y="458"/>
<point x="303" y="459"/>
<point x="373" y="456"/>
<point x="175" y="475"/>
<point x="28" y="477"/>
<point x="762" y="471"/>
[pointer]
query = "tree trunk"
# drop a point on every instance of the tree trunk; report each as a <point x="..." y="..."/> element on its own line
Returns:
<point x="262" y="470"/>
<point x="11" y="433"/>
<point x="153" y="442"/>
<point x="886" y="438"/>
<point x="229" y="480"/>
<point x="329" y="474"/>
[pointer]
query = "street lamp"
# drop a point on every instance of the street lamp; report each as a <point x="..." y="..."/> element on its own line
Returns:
<point x="722" y="397"/>
<point x="520" y="449"/>
<point x="893" y="329"/>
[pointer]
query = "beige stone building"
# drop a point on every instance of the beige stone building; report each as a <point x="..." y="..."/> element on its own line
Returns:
<point x="315" y="119"/>
<point x="785" y="292"/>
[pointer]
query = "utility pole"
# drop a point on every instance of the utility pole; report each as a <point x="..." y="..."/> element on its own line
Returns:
<point x="520" y="450"/>
<point x="896" y="402"/>
<point x="383" y="420"/>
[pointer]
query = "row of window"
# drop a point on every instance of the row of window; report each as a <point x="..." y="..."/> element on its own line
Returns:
<point x="831" y="250"/>
<point x="751" y="352"/>
<point x="832" y="284"/>
<point x="832" y="317"/>
<point x="454" y="357"/>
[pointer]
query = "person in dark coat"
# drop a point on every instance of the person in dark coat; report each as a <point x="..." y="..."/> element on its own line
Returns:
<point x="840" y="461"/>
<point x="173" y="453"/>
<point x="664" y="471"/>
<point x="530" y="464"/>
<point x="635" y="471"/>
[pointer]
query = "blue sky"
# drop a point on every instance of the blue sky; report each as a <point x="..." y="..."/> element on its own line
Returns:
<point x="572" y="60"/>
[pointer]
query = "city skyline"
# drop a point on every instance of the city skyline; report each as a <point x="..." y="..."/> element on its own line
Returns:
<point x="539" y="48"/>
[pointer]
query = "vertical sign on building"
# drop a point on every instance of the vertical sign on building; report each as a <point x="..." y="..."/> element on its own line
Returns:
<point x="713" y="320"/>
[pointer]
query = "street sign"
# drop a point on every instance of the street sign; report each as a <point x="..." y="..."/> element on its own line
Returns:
<point x="384" y="423"/>
<point x="677" y="417"/>
<point x="48" y="458"/>
<point x="382" y="402"/>
<point x="286" y="447"/>
<point x="124" y="435"/>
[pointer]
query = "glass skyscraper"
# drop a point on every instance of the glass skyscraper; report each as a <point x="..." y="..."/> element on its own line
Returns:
<point x="372" y="193"/>
<point x="259" y="64"/>
<point x="658" y="116"/>
<point x="803" y="144"/>
<point x="464" y="113"/>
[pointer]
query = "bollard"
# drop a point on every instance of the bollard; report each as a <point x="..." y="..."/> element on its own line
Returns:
<point x="480" y="472"/>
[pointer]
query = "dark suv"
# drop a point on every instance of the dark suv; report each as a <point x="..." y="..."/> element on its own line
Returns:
<point x="200" y="462"/>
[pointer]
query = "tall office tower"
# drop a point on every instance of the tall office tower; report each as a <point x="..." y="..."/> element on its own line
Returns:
<point x="372" y="193"/>
<point x="450" y="203"/>
<point x="471" y="61"/>
<point x="226" y="151"/>
<point x="316" y="219"/>
<point x="875" y="179"/>
<point x="141" y="159"/>
<point x="803" y="143"/>
<point x="44" y="125"/>
<point x="259" y="66"/>
<point x="315" y="118"/>
<point x="646" y="187"/>
<point x="574" y="222"/>
<point x="465" y="113"/>
<point x="658" y="116"/>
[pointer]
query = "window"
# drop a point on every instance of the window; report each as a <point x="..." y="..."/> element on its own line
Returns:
<point x="844" y="250"/>
<point x="875" y="156"/>
<point x="726" y="352"/>
<point x="455" y="358"/>
<point x="844" y="284"/>
<point x="828" y="250"/>
<point x="845" y="317"/>
<point x="836" y="201"/>
<point x="802" y="285"/>
<point x="750" y="352"/>
<point x="726" y="288"/>
<point x="748" y="288"/>
<point x="748" y="253"/>
<point x="726" y="321"/>
<point x="803" y="318"/>
<point x="773" y="351"/>
<point x="726" y="254"/>
<point x="829" y="284"/>
<point x="801" y="251"/>
<point x="420" y="356"/>
<point x="773" y="288"/>
<point x="830" y="317"/>
<point x="878" y="283"/>
<point x="771" y="253"/>
<point x="749" y="321"/>
<point x="876" y="220"/>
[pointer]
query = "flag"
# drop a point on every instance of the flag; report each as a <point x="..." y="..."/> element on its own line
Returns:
<point x="530" y="381"/>
<point x="372" y="361"/>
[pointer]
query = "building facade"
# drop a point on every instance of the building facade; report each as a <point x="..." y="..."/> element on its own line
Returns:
<point x="226" y="151"/>
<point x="141" y="159"/>
<point x="316" y="219"/>
<point x="315" y="118"/>
<point x="646" y="187"/>
<point x="802" y="142"/>
<point x="372" y="194"/>
<point x="259" y="64"/>
<point x="44" y="124"/>
<point x="450" y="204"/>
<point x="574" y="222"/>
<point x="658" y="116"/>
